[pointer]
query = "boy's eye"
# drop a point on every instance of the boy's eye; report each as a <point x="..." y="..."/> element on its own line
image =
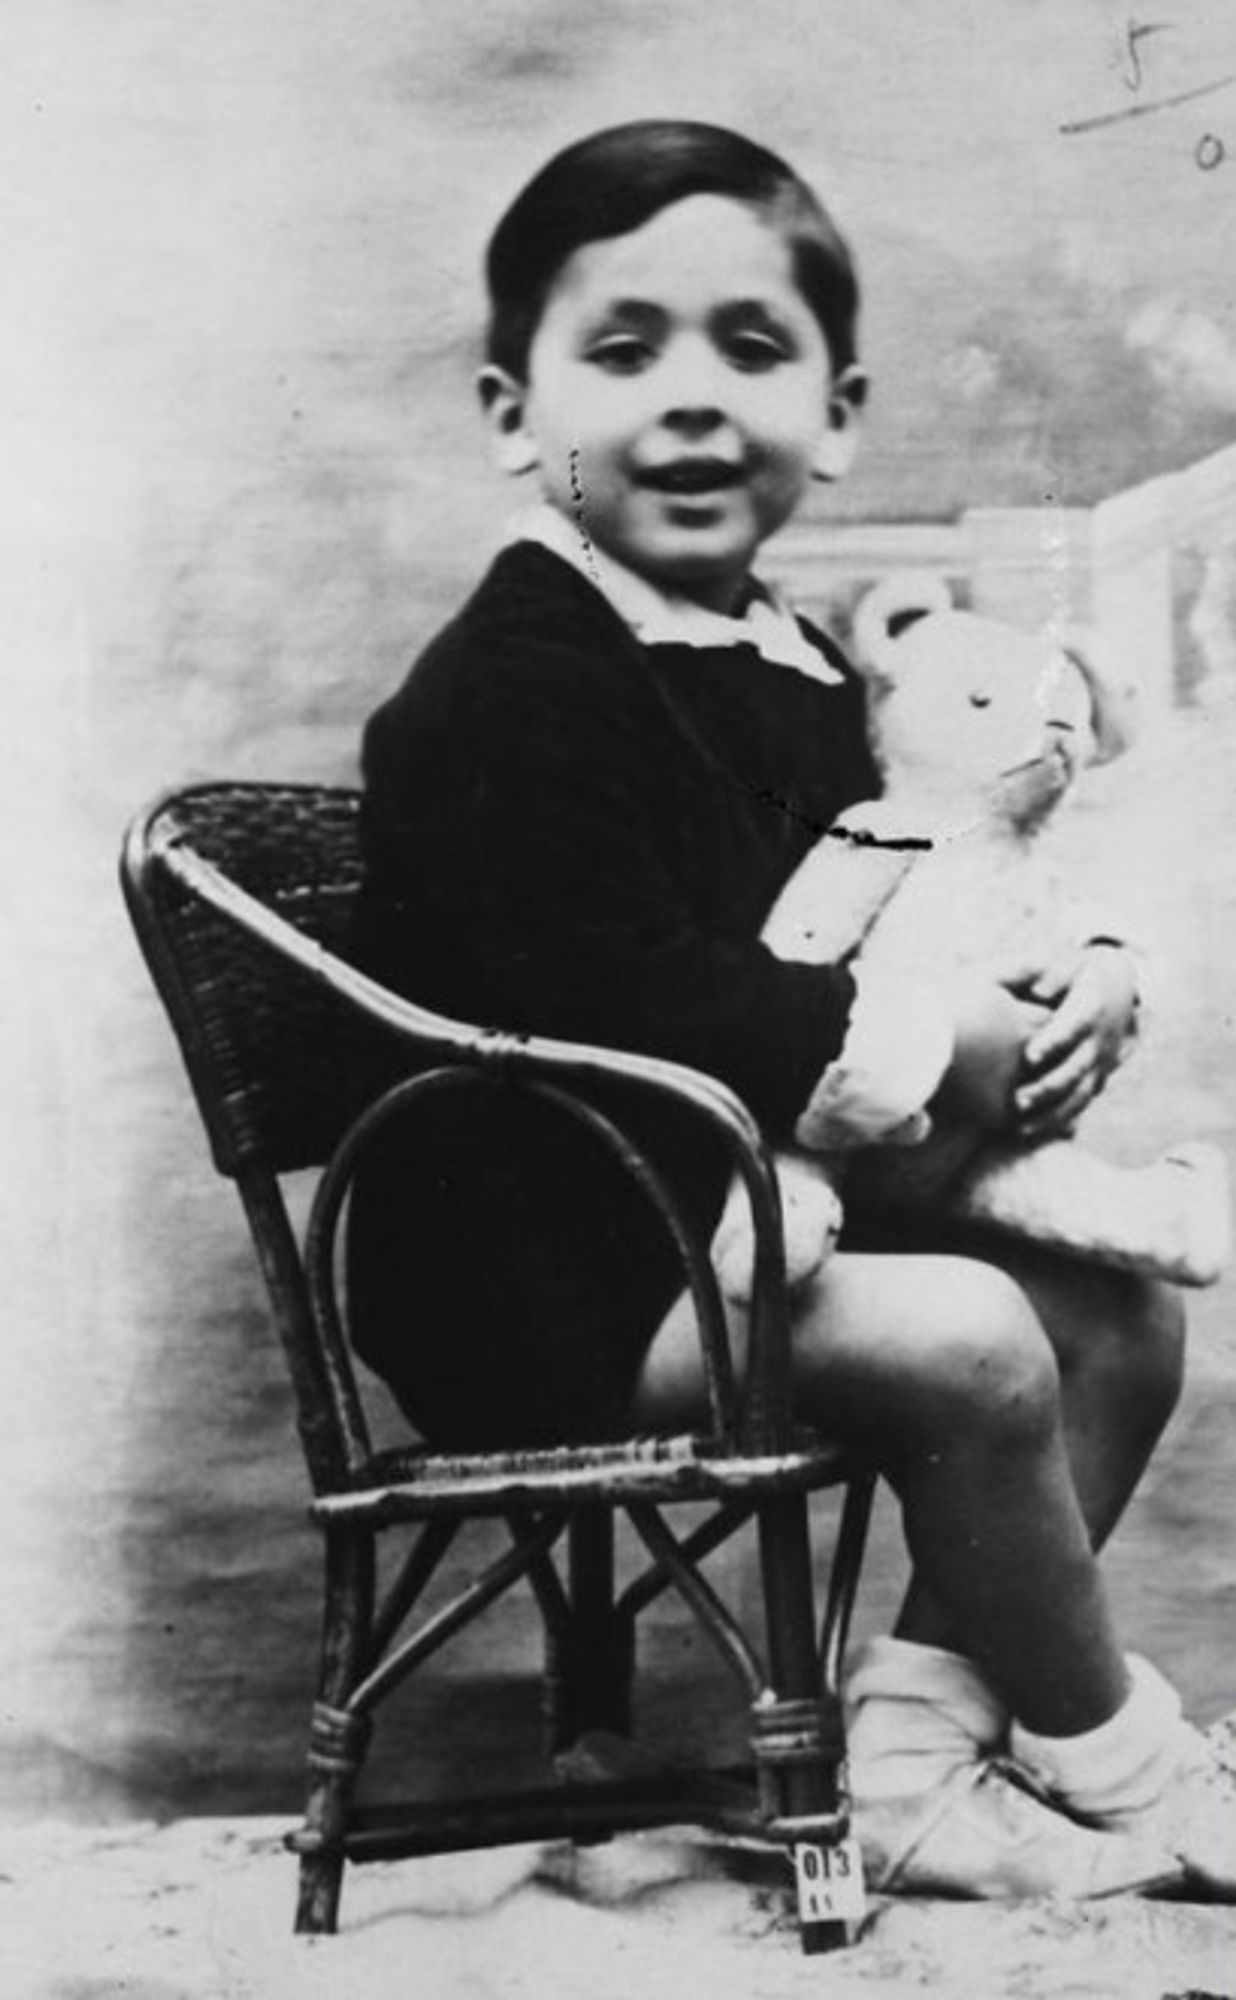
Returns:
<point x="755" y="350"/>
<point x="620" y="353"/>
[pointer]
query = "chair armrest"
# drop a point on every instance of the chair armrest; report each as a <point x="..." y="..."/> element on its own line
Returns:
<point x="766" y="1412"/>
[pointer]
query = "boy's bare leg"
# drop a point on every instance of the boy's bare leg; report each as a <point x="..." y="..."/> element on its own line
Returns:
<point x="1119" y="1345"/>
<point x="940" y="1365"/>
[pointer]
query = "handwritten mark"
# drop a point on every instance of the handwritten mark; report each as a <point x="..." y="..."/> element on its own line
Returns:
<point x="1137" y="32"/>
<point x="1077" y="125"/>
<point x="1209" y="152"/>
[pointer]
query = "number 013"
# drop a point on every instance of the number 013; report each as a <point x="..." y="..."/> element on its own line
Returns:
<point x="830" y="1881"/>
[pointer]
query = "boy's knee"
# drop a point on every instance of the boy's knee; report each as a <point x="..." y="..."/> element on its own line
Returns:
<point x="991" y="1366"/>
<point x="1157" y="1316"/>
<point x="1145" y="1344"/>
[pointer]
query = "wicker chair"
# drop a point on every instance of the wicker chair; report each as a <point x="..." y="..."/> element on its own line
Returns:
<point x="240" y="896"/>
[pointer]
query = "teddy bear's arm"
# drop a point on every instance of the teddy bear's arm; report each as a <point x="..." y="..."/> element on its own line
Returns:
<point x="896" y="1048"/>
<point x="835" y="895"/>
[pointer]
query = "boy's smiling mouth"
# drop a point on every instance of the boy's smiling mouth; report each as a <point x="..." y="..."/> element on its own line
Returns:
<point x="693" y="475"/>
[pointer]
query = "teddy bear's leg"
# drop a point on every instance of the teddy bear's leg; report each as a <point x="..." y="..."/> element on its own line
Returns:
<point x="811" y="1213"/>
<point x="1171" y="1218"/>
<point x="811" y="1223"/>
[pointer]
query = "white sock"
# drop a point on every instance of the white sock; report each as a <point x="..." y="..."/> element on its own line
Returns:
<point x="1123" y="1766"/>
<point x="916" y="1714"/>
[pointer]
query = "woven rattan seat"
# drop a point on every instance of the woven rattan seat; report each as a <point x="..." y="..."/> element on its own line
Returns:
<point x="240" y="895"/>
<point x="406" y="1486"/>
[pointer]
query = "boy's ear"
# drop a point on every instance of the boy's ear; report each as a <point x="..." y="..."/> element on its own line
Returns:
<point x="839" y="443"/>
<point x="503" y="403"/>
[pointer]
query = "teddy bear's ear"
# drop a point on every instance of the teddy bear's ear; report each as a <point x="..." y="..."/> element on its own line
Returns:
<point x="897" y="601"/>
<point x="1114" y="693"/>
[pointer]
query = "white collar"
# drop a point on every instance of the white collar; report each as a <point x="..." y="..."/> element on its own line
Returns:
<point x="659" y="617"/>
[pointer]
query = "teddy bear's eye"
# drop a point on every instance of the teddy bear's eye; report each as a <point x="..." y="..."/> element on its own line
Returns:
<point x="980" y="701"/>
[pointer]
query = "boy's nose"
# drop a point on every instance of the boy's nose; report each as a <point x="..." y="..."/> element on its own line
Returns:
<point x="694" y="420"/>
<point x="693" y="389"/>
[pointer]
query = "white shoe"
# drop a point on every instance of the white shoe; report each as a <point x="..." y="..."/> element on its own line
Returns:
<point x="1195" y="1818"/>
<point x="984" y="1834"/>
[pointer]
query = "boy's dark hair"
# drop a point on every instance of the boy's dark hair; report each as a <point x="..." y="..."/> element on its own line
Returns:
<point x="618" y="179"/>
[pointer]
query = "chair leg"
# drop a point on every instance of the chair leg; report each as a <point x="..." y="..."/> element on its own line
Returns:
<point x="338" y="1737"/>
<point x="798" y="1738"/>
<point x="591" y="1665"/>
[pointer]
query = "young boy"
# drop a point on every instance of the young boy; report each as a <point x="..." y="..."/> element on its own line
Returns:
<point x="579" y="809"/>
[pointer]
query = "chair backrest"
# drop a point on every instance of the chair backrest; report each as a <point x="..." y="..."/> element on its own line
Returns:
<point x="268" y="1050"/>
<point x="286" y="1048"/>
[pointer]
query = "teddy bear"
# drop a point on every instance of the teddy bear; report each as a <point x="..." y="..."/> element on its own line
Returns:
<point x="979" y="730"/>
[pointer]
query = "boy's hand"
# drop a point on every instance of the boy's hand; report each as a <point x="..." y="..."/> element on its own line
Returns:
<point x="1092" y="995"/>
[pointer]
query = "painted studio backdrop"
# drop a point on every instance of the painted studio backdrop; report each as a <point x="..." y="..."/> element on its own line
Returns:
<point x="245" y="480"/>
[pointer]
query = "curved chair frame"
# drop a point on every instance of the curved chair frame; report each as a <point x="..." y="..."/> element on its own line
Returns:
<point x="240" y="895"/>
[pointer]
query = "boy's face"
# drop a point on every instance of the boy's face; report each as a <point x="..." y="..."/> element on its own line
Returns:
<point x="679" y="396"/>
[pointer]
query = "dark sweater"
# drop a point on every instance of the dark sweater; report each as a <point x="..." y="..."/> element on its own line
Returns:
<point x="571" y="833"/>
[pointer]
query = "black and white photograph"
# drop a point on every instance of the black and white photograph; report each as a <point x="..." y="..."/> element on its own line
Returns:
<point x="618" y="1075"/>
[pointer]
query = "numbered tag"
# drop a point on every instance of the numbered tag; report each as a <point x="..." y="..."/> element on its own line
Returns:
<point x="830" y="1882"/>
